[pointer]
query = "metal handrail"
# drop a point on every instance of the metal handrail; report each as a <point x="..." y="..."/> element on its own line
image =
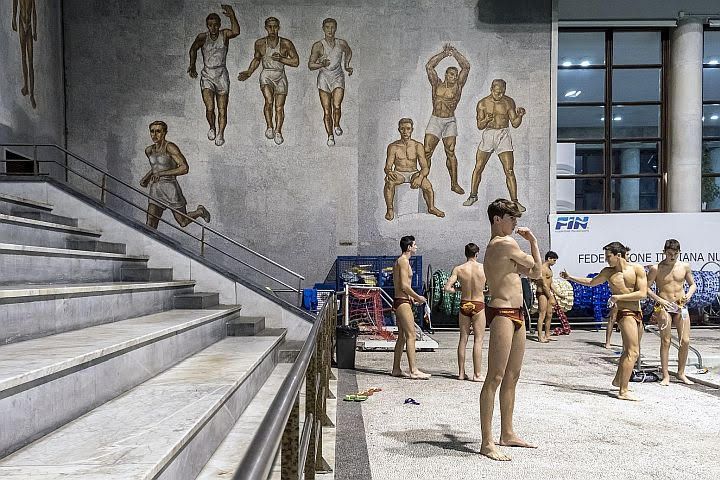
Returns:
<point x="270" y="433"/>
<point x="104" y="189"/>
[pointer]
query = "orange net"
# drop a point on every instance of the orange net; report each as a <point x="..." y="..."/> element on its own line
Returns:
<point x="365" y="310"/>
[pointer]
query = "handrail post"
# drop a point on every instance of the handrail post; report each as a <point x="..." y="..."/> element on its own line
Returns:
<point x="310" y="397"/>
<point x="103" y="188"/>
<point x="202" y="242"/>
<point x="290" y="445"/>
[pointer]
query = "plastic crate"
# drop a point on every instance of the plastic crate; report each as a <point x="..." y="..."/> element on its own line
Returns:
<point x="373" y="270"/>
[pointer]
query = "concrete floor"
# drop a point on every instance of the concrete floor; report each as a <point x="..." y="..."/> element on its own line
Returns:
<point x="563" y="405"/>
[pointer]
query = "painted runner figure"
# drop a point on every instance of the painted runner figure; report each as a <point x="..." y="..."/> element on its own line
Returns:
<point x="214" y="77"/>
<point x="330" y="56"/>
<point x="166" y="164"/>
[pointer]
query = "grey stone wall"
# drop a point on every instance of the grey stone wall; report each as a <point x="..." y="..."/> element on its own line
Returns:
<point x="19" y="121"/>
<point x="303" y="203"/>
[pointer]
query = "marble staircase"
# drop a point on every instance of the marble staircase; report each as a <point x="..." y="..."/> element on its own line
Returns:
<point x="113" y="369"/>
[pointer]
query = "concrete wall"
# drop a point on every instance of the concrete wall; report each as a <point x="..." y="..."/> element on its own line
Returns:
<point x="19" y="121"/>
<point x="302" y="202"/>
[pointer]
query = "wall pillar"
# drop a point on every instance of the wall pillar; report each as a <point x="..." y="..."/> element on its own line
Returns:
<point x="684" y="116"/>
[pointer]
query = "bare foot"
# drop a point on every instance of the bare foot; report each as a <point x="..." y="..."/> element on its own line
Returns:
<point x="436" y="212"/>
<point x="665" y="381"/>
<point x="399" y="374"/>
<point x="544" y="340"/>
<point x="457" y="189"/>
<point x="494" y="454"/>
<point x="32" y="101"/>
<point x="515" y="441"/>
<point x="628" y="396"/>
<point x="685" y="380"/>
<point x="390" y="214"/>
<point x="607" y="345"/>
<point x="418" y="375"/>
<point x="477" y="378"/>
<point x="616" y="384"/>
<point x="24" y="91"/>
<point x="462" y="377"/>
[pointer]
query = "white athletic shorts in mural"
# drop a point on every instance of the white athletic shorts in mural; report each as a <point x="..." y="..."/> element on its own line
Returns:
<point x="407" y="176"/>
<point x="496" y="140"/>
<point x="442" y="127"/>
<point x="329" y="80"/>
<point x="168" y="192"/>
<point x="215" y="79"/>
<point x="276" y="79"/>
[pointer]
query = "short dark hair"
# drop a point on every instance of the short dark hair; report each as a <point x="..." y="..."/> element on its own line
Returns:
<point x="671" y="244"/>
<point x="329" y="20"/>
<point x="213" y="16"/>
<point x="499" y="81"/>
<point x="406" y="120"/>
<point x="159" y="123"/>
<point x="406" y="242"/>
<point x="617" y="248"/>
<point x="271" y="19"/>
<point x="550" y="254"/>
<point x="501" y="207"/>
<point x="471" y="250"/>
<point x="451" y="68"/>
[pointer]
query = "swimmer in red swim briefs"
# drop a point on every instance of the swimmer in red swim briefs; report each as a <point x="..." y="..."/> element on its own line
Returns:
<point x="628" y="284"/>
<point x="472" y="284"/>
<point x="504" y="261"/>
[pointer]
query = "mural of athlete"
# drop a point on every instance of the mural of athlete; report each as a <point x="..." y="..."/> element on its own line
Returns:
<point x="401" y="166"/>
<point x="25" y="23"/>
<point x="445" y="97"/>
<point x="327" y="56"/>
<point x="166" y="164"/>
<point x="274" y="53"/>
<point x="214" y="77"/>
<point x="495" y="114"/>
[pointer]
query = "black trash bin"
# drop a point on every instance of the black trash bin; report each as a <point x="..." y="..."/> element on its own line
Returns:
<point x="345" y="346"/>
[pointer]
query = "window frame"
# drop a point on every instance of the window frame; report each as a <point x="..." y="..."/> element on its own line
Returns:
<point x="608" y="141"/>
<point x="708" y="138"/>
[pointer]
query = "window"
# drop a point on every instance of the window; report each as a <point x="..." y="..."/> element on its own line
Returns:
<point x="711" y="122"/>
<point x="610" y="126"/>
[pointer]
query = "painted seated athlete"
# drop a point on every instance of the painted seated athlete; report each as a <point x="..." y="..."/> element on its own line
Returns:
<point x="504" y="261"/>
<point x="628" y="284"/>
<point x="546" y="297"/>
<point x="405" y="296"/>
<point x="670" y="276"/>
<point x="472" y="284"/>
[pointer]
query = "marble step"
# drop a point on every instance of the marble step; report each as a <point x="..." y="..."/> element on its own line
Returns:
<point x="24" y="231"/>
<point x="95" y="246"/>
<point x="166" y="428"/>
<point x="135" y="274"/>
<point x="30" y="264"/>
<point x="48" y="382"/>
<point x="44" y="216"/>
<point x="229" y="454"/>
<point x="31" y="311"/>
<point x="245" y="326"/>
<point x="6" y="198"/>
<point x="197" y="300"/>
